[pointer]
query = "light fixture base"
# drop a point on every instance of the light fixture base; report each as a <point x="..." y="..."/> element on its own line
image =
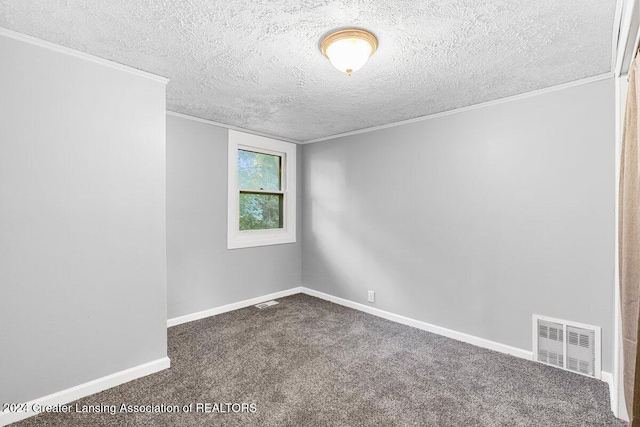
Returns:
<point x="351" y="33"/>
<point x="348" y="50"/>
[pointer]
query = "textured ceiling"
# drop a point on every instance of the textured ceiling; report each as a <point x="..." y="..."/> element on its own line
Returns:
<point x="256" y="64"/>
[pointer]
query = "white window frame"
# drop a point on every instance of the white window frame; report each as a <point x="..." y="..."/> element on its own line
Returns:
<point x="250" y="238"/>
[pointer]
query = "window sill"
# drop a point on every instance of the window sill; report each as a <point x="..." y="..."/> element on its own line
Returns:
<point x="251" y="239"/>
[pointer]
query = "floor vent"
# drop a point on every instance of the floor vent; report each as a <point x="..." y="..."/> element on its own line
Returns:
<point x="266" y="304"/>
<point x="568" y="345"/>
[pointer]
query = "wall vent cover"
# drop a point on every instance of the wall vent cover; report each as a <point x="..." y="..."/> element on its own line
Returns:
<point x="266" y="304"/>
<point x="568" y="345"/>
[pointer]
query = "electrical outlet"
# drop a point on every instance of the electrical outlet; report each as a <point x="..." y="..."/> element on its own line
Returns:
<point x="371" y="296"/>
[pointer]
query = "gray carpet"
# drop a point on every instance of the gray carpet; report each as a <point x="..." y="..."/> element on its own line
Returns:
<point x="307" y="362"/>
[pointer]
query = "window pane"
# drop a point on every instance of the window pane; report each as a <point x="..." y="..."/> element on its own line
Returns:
<point x="260" y="211"/>
<point x="257" y="171"/>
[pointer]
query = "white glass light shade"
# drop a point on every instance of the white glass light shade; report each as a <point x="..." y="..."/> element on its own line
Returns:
<point x="349" y="55"/>
<point x="349" y="50"/>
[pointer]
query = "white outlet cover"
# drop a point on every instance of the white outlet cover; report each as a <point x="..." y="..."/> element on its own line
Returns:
<point x="371" y="296"/>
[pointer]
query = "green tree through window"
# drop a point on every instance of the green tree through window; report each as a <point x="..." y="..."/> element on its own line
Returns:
<point x="260" y="183"/>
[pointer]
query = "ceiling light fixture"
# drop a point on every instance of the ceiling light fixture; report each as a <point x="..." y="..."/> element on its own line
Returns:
<point x="348" y="50"/>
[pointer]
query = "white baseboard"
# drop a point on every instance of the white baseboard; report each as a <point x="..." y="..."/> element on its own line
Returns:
<point x="109" y="381"/>
<point x="450" y="333"/>
<point x="86" y="389"/>
<point x="607" y="377"/>
<point x="230" y="307"/>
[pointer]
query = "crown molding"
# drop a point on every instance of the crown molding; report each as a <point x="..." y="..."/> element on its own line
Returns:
<point x="79" y="54"/>
<point x="223" y="125"/>
<point x="468" y="108"/>
<point x="628" y="24"/>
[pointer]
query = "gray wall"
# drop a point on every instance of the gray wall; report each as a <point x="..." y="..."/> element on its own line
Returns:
<point x="82" y="221"/>
<point x="472" y="221"/>
<point x="202" y="272"/>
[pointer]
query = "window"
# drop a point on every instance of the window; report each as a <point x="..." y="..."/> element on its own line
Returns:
<point x="262" y="191"/>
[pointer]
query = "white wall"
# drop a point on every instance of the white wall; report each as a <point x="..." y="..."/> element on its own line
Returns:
<point x="472" y="221"/>
<point x="202" y="273"/>
<point x="82" y="221"/>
